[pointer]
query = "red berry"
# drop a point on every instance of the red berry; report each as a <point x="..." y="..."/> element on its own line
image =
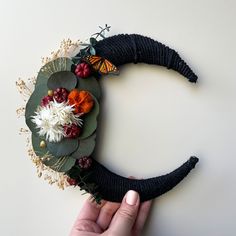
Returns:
<point x="83" y="70"/>
<point x="85" y="162"/>
<point x="71" y="181"/>
<point x="45" y="101"/>
<point x="71" y="131"/>
<point x="60" y="95"/>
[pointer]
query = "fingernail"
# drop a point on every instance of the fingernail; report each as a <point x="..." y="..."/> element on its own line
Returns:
<point x="131" y="197"/>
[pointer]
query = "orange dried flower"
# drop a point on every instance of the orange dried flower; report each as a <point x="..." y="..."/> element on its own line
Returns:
<point x="82" y="101"/>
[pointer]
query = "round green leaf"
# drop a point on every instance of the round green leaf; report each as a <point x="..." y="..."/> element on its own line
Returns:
<point x="92" y="51"/>
<point x="86" y="147"/>
<point x="59" y="64"/>
<point x="90" y="121"/>
<point x="62" y="79"/>
<point x="36" y="146"/>
<point x="93" y="41"/>
<point x="34" y="100"/>
<point x="32" y="126"/>
<point x="32" y="104"/>
<point x="91" y="85"/>
<point x="60" y="164"/>
<point x="63" y="148"/>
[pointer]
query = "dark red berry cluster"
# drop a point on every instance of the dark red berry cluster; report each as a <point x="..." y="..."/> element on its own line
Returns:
<point x="71" y="131"/>
<point x="45" y="100"/>
<point x="85" y="162"/>
<point x="60" y="95"/>
<point x="71" y="181"/>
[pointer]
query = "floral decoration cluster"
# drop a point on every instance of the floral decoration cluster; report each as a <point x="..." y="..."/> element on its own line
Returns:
<point x="61" y="114"/>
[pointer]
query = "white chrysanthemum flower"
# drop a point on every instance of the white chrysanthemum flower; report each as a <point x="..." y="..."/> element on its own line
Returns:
<point x="50" y="120"/>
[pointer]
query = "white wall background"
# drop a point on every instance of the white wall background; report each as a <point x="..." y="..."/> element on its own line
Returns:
<point x="153" y="118"/>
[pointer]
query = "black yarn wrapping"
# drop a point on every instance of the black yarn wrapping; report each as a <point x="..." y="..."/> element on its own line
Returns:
<point x="133" y="48"/>
<point x="113" y="187"/>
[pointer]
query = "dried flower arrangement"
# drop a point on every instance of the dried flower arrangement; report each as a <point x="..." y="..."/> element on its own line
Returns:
<point x="63" y="106"/>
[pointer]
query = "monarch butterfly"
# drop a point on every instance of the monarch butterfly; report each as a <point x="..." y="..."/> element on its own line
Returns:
<point x="101" y="64"/>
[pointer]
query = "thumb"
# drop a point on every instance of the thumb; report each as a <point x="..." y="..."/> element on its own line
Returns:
<point x="125" y="217"/>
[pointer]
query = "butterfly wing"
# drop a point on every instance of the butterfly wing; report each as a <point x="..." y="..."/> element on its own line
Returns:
<point x="108" y="68"/>
<point x="94" y="61"/>
<point x="101" y="65"/>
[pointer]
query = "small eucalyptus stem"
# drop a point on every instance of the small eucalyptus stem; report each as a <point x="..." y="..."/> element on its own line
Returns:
<point x="107" y="28"/>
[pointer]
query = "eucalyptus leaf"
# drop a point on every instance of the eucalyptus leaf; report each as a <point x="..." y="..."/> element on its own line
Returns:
<point x="34" y="100"/>
<point x="60" y="164"/>
<point x="62" y="79"/>
<point x="32" y="105"/>
<point x="91" y="85"/>
<point x="32" y="126"/>
<point x="39" y="151"/>
<point x="86" y="147"/>
<point x="90" y="121"/>
<point x="84" y="44"/>
<point x="83" y="52"/>
<point x="76" y="60"/>
<point x="63" y="148"/>
<point x="74" y="172"/>
<point x="93" y="41"/>
<point x="92" y="51"/>
<point x="59" y="64"/>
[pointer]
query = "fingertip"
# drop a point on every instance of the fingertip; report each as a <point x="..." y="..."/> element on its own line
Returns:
<point x="125" y="217"/>
<point x="132" y="198"/>
<point x="131" y="177"/>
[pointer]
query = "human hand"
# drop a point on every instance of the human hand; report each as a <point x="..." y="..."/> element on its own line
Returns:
<point x="109" y="218"/>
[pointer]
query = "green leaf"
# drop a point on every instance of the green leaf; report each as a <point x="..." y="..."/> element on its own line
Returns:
<point x="62" y="79"/>
<point x="92" y="51"/>
<point x="83" y="52"/>
<point x="36" y="146"/>
<point x="86" y="147"/>
<point x="59" y="64"/>
<point x="63" y="148"/>
<point x="32" y="104"/>
<point x="91" y="85"/>
<point x="32" y="126"/>
<point x="84" y="44"/>
<point x="74" y="172"/>
<point x="60" y="164"/>
<point x="34" y="100"/>
<point x="76" y="60"/>
<point x="93" y="41"/>
<point x="90" y="121"/>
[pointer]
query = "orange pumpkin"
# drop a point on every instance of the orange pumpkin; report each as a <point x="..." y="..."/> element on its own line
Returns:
<point x="81" y="100"/>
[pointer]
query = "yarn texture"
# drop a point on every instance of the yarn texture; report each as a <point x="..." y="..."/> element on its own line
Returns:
<point x="133" y="48"/>
<point x="113" y="187"/>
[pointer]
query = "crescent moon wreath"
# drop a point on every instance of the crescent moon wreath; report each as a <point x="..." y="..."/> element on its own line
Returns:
<point x="62" y="112"/>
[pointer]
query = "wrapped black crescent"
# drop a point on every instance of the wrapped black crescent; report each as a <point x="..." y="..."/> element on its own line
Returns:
<point x="133" y="48"/>
<point x="63" y="110"/>
<point x="113" y="187"/>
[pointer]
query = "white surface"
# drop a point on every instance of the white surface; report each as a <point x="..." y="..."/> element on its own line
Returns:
<point x="153" y="118"/>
